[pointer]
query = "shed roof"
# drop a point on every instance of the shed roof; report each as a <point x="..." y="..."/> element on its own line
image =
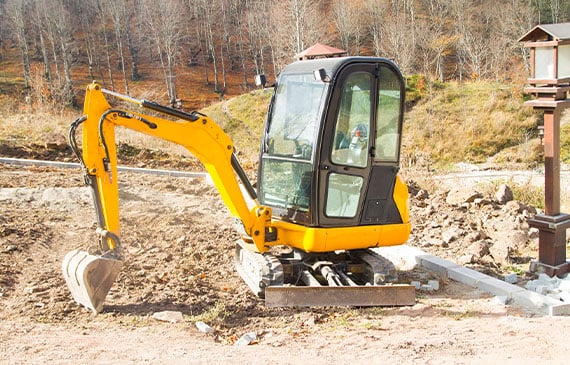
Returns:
<point x="548" y="32"/>
<point x="320" y="50"/>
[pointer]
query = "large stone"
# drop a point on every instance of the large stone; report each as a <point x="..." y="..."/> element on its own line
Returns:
<point x="475" y="236"/>
<point x="514" y="207"/>
<point x="466" y="259"/>
<point x="479" y="248"/>
<point x="460" y="195"/>
<point x="168" y="316"/>
<point x="451" y="235"/>
<point x="422" y="194"/>
<point x="505" y="244"/>
<point x="504" y="194"/>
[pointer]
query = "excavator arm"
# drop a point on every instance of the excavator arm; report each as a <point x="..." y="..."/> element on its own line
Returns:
<point x="91" y="275"/>
<point x="198" y="133"/>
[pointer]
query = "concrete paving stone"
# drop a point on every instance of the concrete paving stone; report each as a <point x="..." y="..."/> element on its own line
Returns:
<point x="426" y="287"/>
<point x="538" y="303"/>
<point x="434" y="284"/>
<point x="403" y="257"/>
<point x="502" y="299"/>
<point x="559" y="310"/>
<point x="564" y="284"/>
<point x="511" y="278"/>
<point x="564" y="296"/>
<point x="406" y="257"/>
<point x="498" y="287"/>
<point x="436" y="264"/>
<point x="465" y="275"/>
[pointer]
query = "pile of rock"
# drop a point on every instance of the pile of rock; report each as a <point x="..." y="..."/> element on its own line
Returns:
<point x="469" y="228"/>
<point x="557" y="288"/>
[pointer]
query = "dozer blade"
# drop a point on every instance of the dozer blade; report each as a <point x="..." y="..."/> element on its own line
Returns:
<point x="353" y="296"/>
<point x="90" y="277"/>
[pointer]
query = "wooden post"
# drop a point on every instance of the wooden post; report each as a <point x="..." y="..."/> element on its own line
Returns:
<point x="552" y="224"/>
<point x="552" y="161"/>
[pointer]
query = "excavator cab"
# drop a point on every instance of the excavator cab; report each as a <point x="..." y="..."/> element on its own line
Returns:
<point x="329" y="162"/>
<point x="330" y="149"/>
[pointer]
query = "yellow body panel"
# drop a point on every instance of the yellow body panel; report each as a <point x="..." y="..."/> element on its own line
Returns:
<point x="311" y="239"/>
<point x="401" y="198"/>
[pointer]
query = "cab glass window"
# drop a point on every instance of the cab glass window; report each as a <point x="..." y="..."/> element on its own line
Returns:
<point x="352" y="129"/>
<point x="388" y="116"/>
<point x="295" y="116"/>
<point x="343" y="195"/>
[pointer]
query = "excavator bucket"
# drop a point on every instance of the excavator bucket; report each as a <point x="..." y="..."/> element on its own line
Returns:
<point x="90" y="277"/>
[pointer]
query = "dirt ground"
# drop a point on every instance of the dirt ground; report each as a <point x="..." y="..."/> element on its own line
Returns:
<point x="179" y="240"/>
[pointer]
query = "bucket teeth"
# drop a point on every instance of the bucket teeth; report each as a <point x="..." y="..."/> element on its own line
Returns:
<point x="90" y="277"/>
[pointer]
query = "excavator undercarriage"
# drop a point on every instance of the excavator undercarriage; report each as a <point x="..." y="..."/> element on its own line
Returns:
<point x="288" y="277"/>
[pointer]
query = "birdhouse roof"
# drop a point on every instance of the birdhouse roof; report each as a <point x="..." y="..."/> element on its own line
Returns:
<point x="548" y="32"/>
<point x="320" y="50"/>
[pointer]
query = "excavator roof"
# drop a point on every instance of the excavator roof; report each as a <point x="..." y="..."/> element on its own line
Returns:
<point x="331" y="65"/>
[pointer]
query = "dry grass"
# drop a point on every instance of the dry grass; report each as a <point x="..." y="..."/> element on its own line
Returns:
<point x="526" y="192"/>
<point x="470" y="122"/>
<point x="242" y="118"/>
<point x="21" y="124"/>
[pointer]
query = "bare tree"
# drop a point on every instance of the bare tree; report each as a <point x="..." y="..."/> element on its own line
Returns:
<point x="259" y="27"/>
<point x="16" y="12"/>
<point x="474" y="23"/>
<point x="398" y="34"/>
<point x="54" y="30"/>
<point x="238" y="10"/>
<point x="209" y="11"/>
<point x="295" y="27"/>
<point x="441" y="38"/>
<point x="87" y="12"/>
<point x="551" y="11"/>
<point x="103" y="16"/>
<point x="349" y="20"/>
<point x="38" y="19"/>
<point x="165" y="26"/>
<point x="120" y="13"/>
<point x="433" y="42"/>
<point x="197" y="33"/>
<point x="375" y="10"/>
<point x="517" y="18"/>
<point x="342" y="20"/>
<point x="64" y="30"/>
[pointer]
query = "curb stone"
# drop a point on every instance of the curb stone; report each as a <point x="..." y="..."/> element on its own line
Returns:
<point x="406" y="257"/>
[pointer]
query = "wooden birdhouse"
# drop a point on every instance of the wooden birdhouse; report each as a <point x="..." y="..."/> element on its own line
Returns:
<point x="549" y="60"/>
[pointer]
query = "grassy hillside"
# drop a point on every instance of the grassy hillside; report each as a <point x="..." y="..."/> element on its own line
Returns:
<point x="446" y="123"/>
<point x="471" y="122"/>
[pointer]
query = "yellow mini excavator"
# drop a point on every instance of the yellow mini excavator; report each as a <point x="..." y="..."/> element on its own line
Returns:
<point x="328" y="187"/>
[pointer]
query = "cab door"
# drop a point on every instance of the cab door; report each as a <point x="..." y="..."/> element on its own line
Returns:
<point x="361" y="146"/>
